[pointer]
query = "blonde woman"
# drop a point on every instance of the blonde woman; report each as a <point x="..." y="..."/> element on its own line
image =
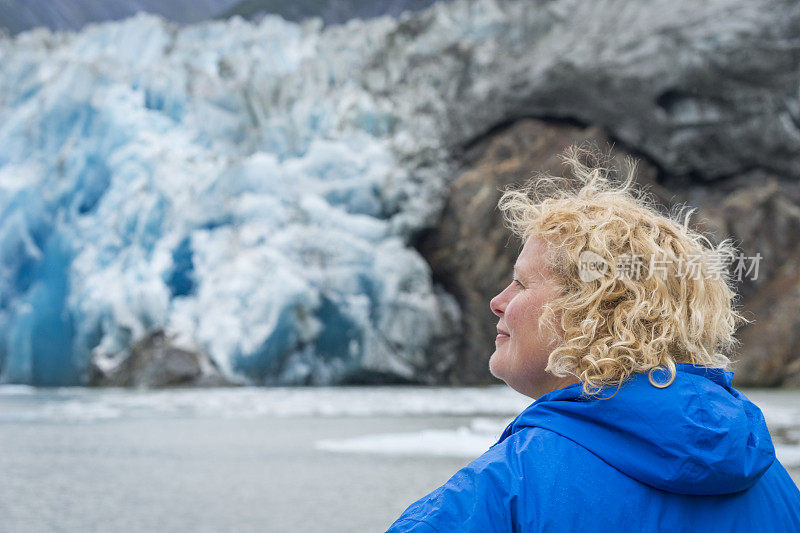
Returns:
<point x="617" y="320"/>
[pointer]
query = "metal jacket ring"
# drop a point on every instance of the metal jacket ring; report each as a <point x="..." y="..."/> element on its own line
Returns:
<point x="657" y="384"/>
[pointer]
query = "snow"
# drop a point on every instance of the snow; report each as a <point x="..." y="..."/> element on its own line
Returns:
<point x="465" y="441"/>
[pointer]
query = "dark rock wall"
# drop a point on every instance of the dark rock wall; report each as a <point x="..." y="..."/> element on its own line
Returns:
<point x="471" y="253"/>
<point x="705" y="94"/>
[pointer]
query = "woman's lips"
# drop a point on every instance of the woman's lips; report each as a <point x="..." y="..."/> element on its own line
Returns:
<point x="501" y="336"/>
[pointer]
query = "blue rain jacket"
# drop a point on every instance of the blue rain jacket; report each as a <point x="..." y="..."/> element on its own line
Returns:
<point x="694" y="456"/>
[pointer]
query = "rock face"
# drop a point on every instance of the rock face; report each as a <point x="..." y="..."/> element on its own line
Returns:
<point x="705" y="94"/>
<point x="154" y="362"/>
<point x="707" y="89"/>
<point x="762" y="212"/>
<point x="472" y="254"/>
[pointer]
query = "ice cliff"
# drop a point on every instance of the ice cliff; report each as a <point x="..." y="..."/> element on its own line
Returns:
<point x="256" y="190"/>
<point x="231" y="183"/>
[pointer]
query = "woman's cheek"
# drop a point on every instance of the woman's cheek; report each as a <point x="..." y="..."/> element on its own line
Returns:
<point x="511" y="318"/>
<point x="512" y="315"/>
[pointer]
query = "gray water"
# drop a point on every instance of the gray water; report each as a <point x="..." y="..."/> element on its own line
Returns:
<point x="251" y="460"/>
<point x="208" y="475"/>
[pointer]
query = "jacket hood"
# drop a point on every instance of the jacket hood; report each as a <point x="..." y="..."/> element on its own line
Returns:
<point x="699" y="435"/>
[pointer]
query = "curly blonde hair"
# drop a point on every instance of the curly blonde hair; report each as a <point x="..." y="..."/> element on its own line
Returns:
<point x="635" y="314"/>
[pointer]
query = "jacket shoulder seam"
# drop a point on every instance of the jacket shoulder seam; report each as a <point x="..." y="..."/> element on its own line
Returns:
<point x="581" y="446"/>
<point x="420" y="522"/>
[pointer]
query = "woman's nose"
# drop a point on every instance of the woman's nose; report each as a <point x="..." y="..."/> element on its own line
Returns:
<point x="497" y="305"/>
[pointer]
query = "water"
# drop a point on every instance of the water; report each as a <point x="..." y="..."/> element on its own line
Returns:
<point x="330" y="459"/>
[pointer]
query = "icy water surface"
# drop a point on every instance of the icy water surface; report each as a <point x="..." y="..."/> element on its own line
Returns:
<point x="251" y="459"/>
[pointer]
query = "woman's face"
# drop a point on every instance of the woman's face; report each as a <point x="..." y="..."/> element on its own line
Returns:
<point x="520" y="355"/>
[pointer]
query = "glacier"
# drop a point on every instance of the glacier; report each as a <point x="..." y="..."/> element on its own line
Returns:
<point x="229" y="182"/>
<point x="256" y="190"/>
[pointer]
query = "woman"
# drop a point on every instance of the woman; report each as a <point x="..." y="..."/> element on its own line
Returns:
<point x="617" y="319"/>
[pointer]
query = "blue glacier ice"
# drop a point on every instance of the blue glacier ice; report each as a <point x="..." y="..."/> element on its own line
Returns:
<point x="232" y="183"/>
<point x="255" y="190"/>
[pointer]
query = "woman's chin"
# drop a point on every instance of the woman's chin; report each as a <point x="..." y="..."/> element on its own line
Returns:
<point x="495" y="365"/>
